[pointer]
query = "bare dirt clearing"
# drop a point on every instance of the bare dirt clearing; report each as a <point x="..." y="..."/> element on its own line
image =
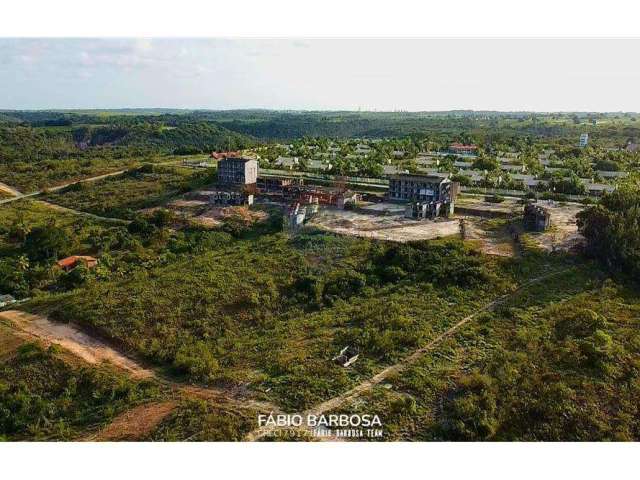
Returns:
<point x="9" y="190"/>
<point x="490" y="241"/>
<point x="181" y="203"/>
<point x="395" y="228"/>
<point x="79" y="343"/>
<point x="134" y="424"/>
<point x="563" y="234"/>
<point x="468" y="205"/>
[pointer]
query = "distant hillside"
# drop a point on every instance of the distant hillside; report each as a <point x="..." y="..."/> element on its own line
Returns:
<point x="283" y="125"/>
<point x="49" y="135"/>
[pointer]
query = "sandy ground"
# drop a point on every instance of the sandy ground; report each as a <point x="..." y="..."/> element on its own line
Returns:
<point x="385" y="208"/>
<point x="491" y="242"/>
<point x="94" y="351"/>
<point x="9" y="190"/>
<point x="87" y="348"/>
<point x="134" y="424"/>
<point x="394" y="228"/>
<point x="181" y="203"/>
<point x="563" y="234"/>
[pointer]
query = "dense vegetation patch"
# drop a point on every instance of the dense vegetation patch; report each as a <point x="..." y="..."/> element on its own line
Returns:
<point x="201" y="421"/>
<point x="272" y="311"/>
<point x="559" y="362"/>
<point x="612" y="230"/>
<point x="45" y="397"/>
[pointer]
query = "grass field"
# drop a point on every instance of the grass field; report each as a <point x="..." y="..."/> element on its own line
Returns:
<point x="29" y="177"/>
<point x="120" y="196"/>
<point x="559" y="362"/>
<point x="28" y="214"/>
<point x="270" y="312"/>
<point x="37" y="175"/>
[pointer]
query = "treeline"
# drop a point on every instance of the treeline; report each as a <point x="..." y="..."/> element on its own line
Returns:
<point x="481" y="127"/>
<point x="612" y="230"/>
<point x="28" y="143"/>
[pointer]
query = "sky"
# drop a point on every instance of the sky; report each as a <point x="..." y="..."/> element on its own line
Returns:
<point x="321" y="74"/>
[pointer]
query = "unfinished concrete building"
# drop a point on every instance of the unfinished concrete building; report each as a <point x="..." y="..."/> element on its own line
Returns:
<point x="237" y="171"/>
<point x="278" y="184"/>
<point x="428" y="195"/>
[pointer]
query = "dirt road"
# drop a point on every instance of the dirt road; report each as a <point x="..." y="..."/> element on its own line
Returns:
<point x="95" y="352"/>
<point x="134" y="424"/>
<point x="79" y="343"/>
<point x="60" y="208"/>
<point x="18" y="195"/>
<point x="346" y="397"/>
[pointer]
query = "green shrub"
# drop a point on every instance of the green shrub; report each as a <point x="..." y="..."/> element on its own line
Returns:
<point x="196" y="360"/>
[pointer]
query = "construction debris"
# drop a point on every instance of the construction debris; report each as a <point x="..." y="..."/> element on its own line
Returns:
<point x="347" y="356"/>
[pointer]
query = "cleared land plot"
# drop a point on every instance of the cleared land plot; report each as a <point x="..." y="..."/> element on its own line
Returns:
<point x="471" y="205"/>
<point x="120" y="196"/>
<point x="491" y="236"/>
<point x="79" y="343"/>
<point x="563" y="234"/>
<point x="393" y="228"/>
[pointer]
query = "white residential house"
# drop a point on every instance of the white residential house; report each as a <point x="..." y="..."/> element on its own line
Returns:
<point x="287" y="162"/>
<point x="319" y="165"/>
<point x="392" y="170"/>
<point x="596" y="189"/>
<point x="584" y="140"/>
<point x="513" y="168"/>
<point x="463" y="165"/>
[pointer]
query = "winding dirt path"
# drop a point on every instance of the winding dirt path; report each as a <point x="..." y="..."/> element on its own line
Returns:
<point x="60" y="208"/>
<point x="366" y="385"/>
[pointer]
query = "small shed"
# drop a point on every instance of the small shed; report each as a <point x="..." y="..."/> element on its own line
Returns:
<point x="536" y="218"/>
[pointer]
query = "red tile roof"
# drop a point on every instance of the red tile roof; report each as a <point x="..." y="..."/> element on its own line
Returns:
<point x="462" y="146"/>
<point x="221" y="155"/>
<point x="73" y="260"/>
